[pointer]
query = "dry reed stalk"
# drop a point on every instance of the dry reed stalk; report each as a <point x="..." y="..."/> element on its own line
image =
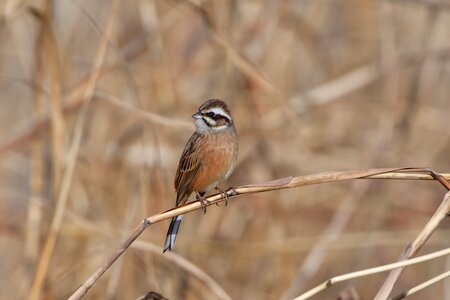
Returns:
<point x="409" y="111"/>
<point x="436" y="219"/>
<point x="34" y="213"/>
<point x="397" y="268"/>
<point x="47" y="252"/>
<point x="113" y="282"/>
<point x="421" y="286"/>
<point x="23" y="134"/>
<point x="329" y="91"/>
<point x="185" y="265"/>
<point x="50" y="52"/>
<point x="334" y="89"/>
<point x="237" y="59"/>
<point x="447" y="283"/>
<point x="430" y="3"/>
<point x="317" y="254"/>
<point x="317" y="45"/>
<point x="250" y="71"/>
<point x="56" y="113"/>
<point x="411" y="249"/>
<point x="144" y="115"/>
<point x="283" y="183"/>
<point x="341" y="278"/>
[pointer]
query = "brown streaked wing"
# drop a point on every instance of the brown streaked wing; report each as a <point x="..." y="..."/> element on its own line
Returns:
<point x="187" y="168"/>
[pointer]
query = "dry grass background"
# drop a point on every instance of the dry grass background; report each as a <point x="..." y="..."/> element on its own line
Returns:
<point x="313" y="86"/>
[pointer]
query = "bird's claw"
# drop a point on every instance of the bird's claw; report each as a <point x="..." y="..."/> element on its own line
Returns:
<point x="202" y="202"/>
<point x="224" y="195"/>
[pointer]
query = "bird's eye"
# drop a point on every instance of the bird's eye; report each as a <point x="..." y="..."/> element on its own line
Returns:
<point x="210" y="114"/>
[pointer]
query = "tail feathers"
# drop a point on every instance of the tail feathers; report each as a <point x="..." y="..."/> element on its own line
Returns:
<point x="172" y="233"/>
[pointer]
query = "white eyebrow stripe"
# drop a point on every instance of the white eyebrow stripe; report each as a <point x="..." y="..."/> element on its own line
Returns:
<point x="220" y="111"/>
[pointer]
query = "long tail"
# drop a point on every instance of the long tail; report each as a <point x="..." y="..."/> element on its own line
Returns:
<point x="172" y="233"/>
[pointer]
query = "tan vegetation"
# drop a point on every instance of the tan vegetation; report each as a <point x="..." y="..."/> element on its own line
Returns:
<point x="95" y="106"/>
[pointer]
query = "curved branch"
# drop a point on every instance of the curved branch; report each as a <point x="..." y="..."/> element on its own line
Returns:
<point x="341" y="278"/>
<point x="283" y="183"/>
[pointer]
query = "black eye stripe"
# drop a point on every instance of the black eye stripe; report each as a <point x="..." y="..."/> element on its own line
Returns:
<point x="215" y="116"/>
<point x="211" y="115"/>
<point x="207" y="119"/>
<point x="218" y="119"/>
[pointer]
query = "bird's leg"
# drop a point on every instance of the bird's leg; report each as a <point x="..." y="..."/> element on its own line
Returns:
<point x="224" y="195"/>
<point x="201" y="198"/>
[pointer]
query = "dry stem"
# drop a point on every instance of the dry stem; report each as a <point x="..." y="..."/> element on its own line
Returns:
<point x="72" y="158"/>
<point x="412" y="248"/>
<point x="332" y="281"/>
<point x="283" y="183"/>
<point x="422" y="286"/>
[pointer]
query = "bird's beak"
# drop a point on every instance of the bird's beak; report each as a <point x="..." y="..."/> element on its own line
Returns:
<point x="197" y="115"/>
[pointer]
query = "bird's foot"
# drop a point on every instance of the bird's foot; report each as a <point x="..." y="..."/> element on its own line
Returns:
<point x="224" y="195"/>
<point x="202" y="200"/>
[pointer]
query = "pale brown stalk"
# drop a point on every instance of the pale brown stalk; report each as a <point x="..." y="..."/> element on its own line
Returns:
<point x="34" y="212"/>
<point x="49" y="57"/>
<point x="22" y="135"/>
<point x="47" y="252"/>
<point x="283" y="183"/>
<point x="421" y="286"/>
<point x="185" y="264"/>
<point x="341" y="278"/>
<point x="413" y="248"/>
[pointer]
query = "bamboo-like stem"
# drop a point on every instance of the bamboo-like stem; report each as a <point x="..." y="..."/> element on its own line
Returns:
<point x="332" y="281"/>
<point x="66" y="181"/>
<point x="52" y="61"/>
<point x="186" y="265"/>
<point x="34" y="214"/>
<point x="283" y="183"/>
<point x="421" y="286"/>
<point x="291" y="182"/>
<point x="413" y="248"/>
<point x="82" y="290"/>
<point x="23" y="134"/>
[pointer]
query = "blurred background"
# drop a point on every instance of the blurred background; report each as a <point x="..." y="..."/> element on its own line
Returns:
<point x="313" y="86"/>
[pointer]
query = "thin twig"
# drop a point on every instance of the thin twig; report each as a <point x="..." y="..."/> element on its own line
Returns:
<point x="332" y="281"/>
<point x="66" y="181"/>
<point x="332" y="232"/>
<point x="412" y="248"/>
<point x="421" y="286"/>
<point x="283" y="183"/>
<point x="186" y="265"/>
<point x="145" y="115"/>
<point x="49" y="44"/>
<point x="431" y="3"/>
<point x="23" y="134"/>
<point x="82" y="290"/>
<point x="34" y="215"/>
<point x="238" y="60"/>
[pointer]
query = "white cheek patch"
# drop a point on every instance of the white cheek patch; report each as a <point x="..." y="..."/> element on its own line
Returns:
<point x="201" y="126"/>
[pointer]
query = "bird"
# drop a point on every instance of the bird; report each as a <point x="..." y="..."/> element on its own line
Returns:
<point x="208" y="159"/>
